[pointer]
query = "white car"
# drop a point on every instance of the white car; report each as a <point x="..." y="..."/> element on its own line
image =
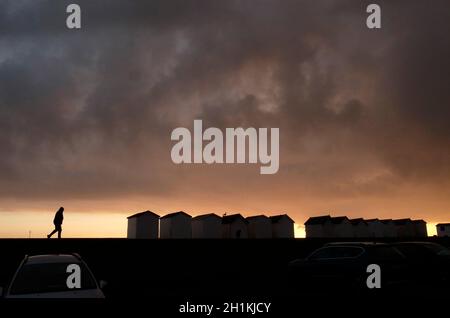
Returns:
<point x="46" y="276"/>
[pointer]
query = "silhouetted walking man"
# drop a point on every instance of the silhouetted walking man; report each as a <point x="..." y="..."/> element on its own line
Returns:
<point x="57" y="221"/>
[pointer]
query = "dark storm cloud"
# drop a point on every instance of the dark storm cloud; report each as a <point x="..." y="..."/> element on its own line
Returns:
<point x="88" y="113"/>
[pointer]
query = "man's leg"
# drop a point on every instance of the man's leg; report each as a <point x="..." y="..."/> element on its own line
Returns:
<point x="51" y="234"/>
<point x="59" y="229"/>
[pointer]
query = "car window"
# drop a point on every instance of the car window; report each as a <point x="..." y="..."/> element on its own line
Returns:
<point x="414" y="251"/>
<point x="444" y="252"/>
<point x="46" y="278"/>
<point x="436" y="248"/>
<point x="336" y="252"/>
<point x="384" y="253"/>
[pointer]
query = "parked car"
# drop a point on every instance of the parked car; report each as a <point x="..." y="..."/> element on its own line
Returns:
<point x="428" y="262"/>
<point x="45" y="276"/>
<point x="344" y="265"/>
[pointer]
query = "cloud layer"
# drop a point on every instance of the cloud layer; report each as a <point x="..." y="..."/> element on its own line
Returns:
<point x="363" y="114"/>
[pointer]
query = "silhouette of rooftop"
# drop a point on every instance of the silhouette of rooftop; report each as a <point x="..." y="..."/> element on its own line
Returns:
<point x="338" y="219"/>
<point x="205" y="216"/>
<point x="257" y="217"/>
<point x="170" y="215"/>
<point x="277" y="218"/>
<point x="357" y="221"/>
<point x="318" y="220"/>
<point x="143" y="213"/>
<point x="402" y="221"/>
<point x="227" y="219"/>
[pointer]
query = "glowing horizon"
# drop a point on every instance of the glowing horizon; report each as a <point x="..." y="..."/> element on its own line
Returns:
<point x="86" y="225"/>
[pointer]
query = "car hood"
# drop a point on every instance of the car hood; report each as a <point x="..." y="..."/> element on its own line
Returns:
<point x="85" y="293"/>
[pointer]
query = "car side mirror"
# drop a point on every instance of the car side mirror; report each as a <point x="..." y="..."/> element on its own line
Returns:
<point x="103" y="284"/>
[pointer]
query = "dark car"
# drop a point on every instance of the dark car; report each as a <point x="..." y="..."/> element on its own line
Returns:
<point x="428" y="263"/>
<point x="45" y="276"/>
<point x="344" y="265"/>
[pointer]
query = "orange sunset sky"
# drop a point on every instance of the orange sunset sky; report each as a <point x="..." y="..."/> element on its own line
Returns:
<point x="86" y="116"/>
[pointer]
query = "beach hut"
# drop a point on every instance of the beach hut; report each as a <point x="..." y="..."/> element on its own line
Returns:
<point x="282" y="226"/>
<point x="207" y="226"/>
<point x="143" y="225"/>
<point x="259" y="226"/>
<point x="234" y="226"/>
<point x="175" y="225"/>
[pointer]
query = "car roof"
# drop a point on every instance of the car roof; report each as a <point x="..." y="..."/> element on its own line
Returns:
<point x="423" y="244"/>
<point x="418" y="242"/>
<point x="52" y="258"/>
<point x="354" y="244"/>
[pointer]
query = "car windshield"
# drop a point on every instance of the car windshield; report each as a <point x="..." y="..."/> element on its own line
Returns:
<point x="48" y="277"/>
<point x="436" y="248"/>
